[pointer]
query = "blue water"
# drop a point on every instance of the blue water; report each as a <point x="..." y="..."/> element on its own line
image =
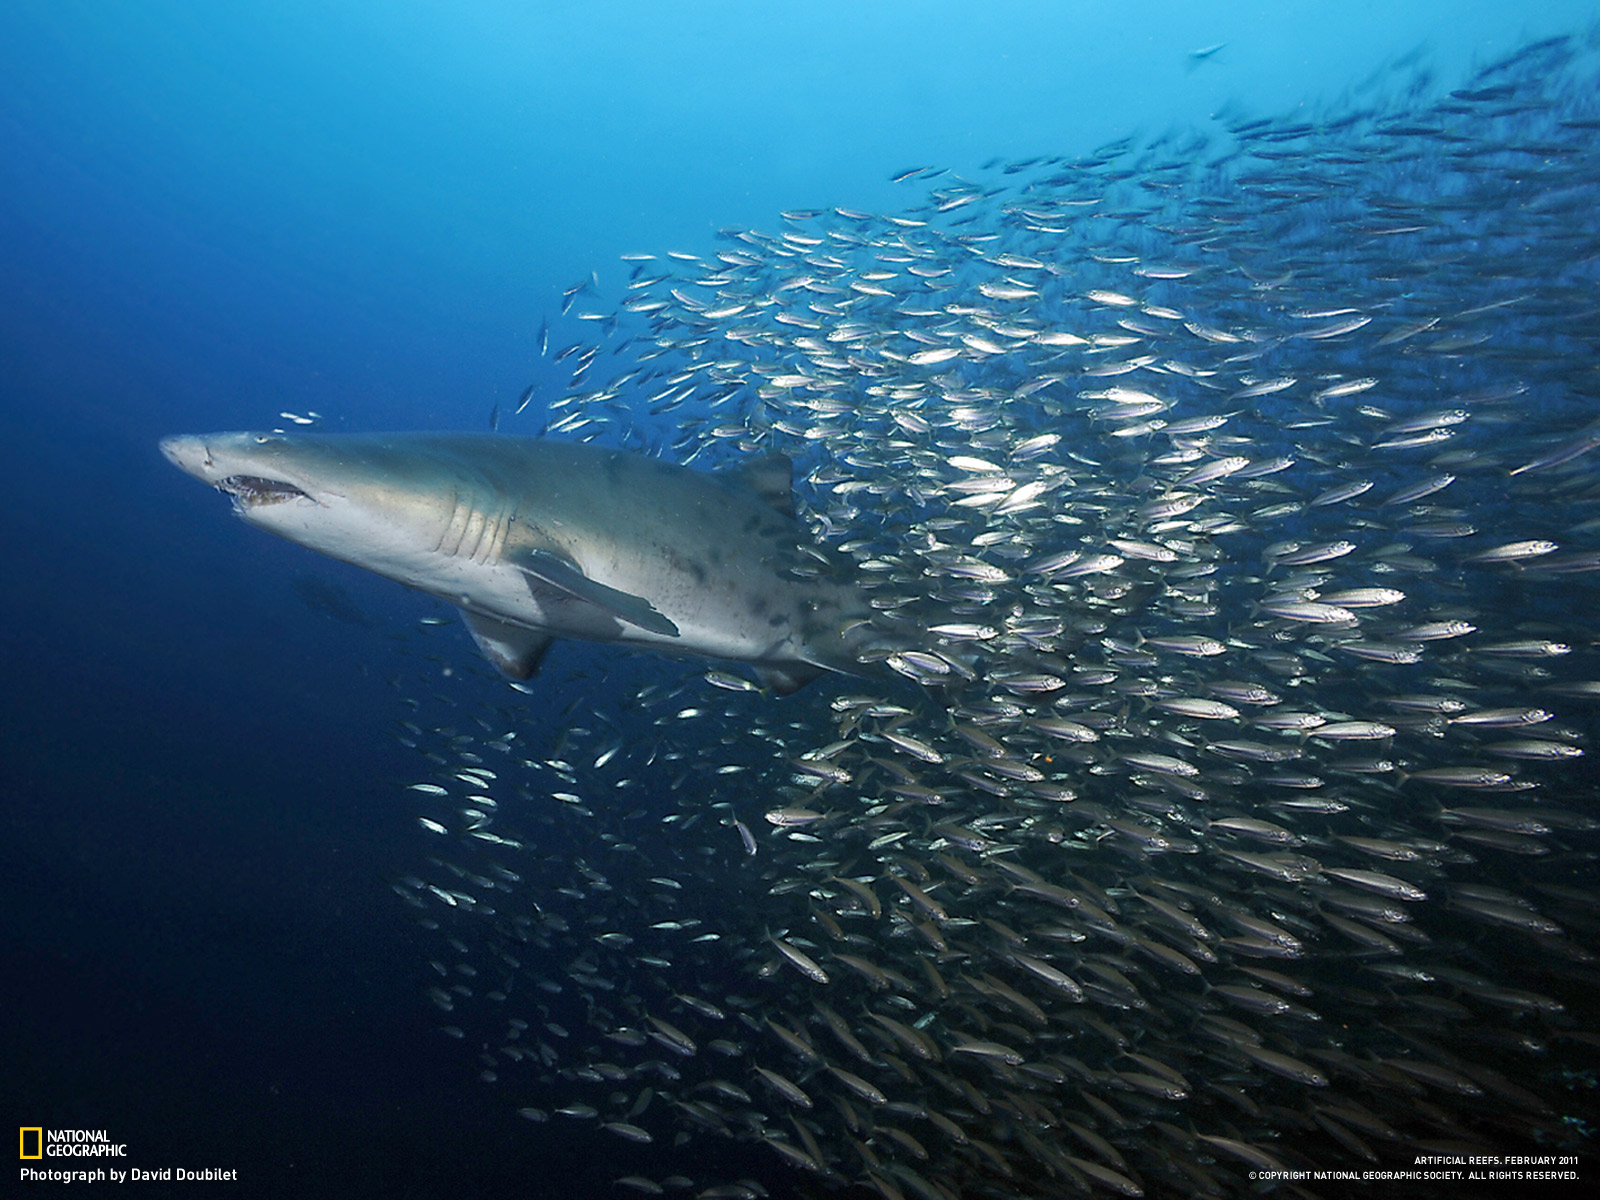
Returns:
<point x="211" y="214"/>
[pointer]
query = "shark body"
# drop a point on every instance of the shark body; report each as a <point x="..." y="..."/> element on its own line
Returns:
<point x="535" y="539"/>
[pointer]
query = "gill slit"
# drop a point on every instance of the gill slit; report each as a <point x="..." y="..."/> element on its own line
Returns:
<point x="500" y="528"/>
<point x="474" y="533"/>
<point x="455" y="529"/>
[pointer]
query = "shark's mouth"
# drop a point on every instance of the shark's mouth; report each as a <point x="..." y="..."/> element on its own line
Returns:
<point x="252" y="491"/>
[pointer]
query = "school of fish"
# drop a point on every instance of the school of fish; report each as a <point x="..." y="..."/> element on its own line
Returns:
<point x="1224" y="808"/>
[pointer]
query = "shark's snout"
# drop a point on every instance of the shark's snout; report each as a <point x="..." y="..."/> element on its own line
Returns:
<point x="187" y="453"/>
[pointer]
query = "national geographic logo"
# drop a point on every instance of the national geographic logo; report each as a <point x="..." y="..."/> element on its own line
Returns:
<point x="38" y="1142"/>
<point x="79" y="1144"/>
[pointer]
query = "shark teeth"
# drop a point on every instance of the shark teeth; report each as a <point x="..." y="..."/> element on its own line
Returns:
<point x="251" y="491"/>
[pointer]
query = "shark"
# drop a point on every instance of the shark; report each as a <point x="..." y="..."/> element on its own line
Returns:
<point x="535" y="539"/>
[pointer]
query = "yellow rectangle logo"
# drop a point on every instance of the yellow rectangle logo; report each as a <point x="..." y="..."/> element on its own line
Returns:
<point x="38" y="1141"/>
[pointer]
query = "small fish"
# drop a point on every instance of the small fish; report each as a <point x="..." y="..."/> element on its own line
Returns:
<point x="791" y="817"/>
<point x="624" y="1130"/>
<point x="798" y="959"/>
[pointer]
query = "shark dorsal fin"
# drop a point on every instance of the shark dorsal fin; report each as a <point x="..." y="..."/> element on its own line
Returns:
<point x="771" y="477"/>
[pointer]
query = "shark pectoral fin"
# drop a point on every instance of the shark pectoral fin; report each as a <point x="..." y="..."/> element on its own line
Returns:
<point x="514" y="650"/>
<point x="564" y="577"/>
<point x="771" y="477"/>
